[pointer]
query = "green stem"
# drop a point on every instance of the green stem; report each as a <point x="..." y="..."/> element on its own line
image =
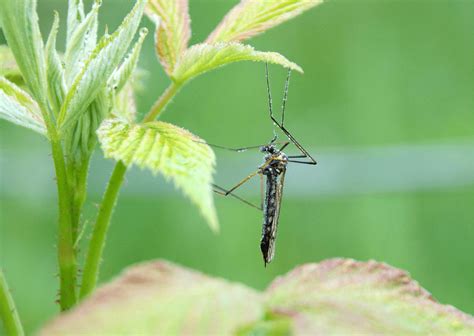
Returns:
<point x="78" y="185"/>
<point x="66" y="254"/>
<point x="96" y="245"/>
<point x="8" y="312"/>
<point x="161" y="103"/>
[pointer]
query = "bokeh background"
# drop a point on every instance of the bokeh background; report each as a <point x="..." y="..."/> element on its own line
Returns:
<point x="386" y="105"/>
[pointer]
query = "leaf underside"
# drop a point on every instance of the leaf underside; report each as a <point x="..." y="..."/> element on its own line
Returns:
<point x="19" y="22"/>
<point x="97" y="70"/>
<point x="204" y="57"/>
<point x="8" y="67"/>
<point x="166" y="149"/>
<point x="334" y="297"/>
<point x="173" y="29"/>
<point x="18" y="107"/>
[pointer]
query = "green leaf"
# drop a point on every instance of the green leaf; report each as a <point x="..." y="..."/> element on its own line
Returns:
<point x="99" y="67"/>
<point x="8" y="67"/>
<point x="343" y="296"/>
<point x="124" y="105"/>
<point x="18" y="107"/>
<point x="166" y="149"/>
<point x="204" y="57"/>
<point x="122" y="74"/>
<point x="81" y="43"/>
<point x="251" y="17"/>
<point x="159" y="298"/>
<point x="75" y="15"/>
<point x="80" y="141"/>
<point x="334" y="297"/>
<point x="19" y="23"/>
<point x="54" y="69"/>
<point x="173" y="30"/>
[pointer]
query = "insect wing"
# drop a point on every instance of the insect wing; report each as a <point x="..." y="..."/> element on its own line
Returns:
<point x="269" y="236"/>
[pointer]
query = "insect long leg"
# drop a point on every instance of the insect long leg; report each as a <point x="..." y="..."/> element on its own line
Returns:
<point x="224" y="192"/>
<point x="303" y="162"/>
<point x="285" y="97"/>
<point x="284" y="146"/>
<point x="305" y="153"/>
<point x="239" y="149"/>
<point x="250" y="176"/>
<point x="311" y="160"/>
<point x="238" y="185"/>
<point x="269" y="92"/>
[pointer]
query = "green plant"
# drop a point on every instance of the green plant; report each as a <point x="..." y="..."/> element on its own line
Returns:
<point x="85" y="96"/>
<point x="334" y="297"/>
<point x="71" y="98"/>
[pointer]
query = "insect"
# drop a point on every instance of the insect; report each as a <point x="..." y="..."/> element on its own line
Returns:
<point x="273" y="170"/>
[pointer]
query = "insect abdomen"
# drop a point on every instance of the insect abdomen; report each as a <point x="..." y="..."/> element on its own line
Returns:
<point x="270" y="222"/>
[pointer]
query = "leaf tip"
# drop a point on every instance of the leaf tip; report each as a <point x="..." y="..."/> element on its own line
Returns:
<point x="214" y="223"/>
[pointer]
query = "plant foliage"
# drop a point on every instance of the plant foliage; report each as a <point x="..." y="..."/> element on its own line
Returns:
<point x="334" y="297"/>
<point x="18" y="107"/>
<point x="173" y="30"/>
<point x="99" y="66"/>
<point x="251" y="17"/>
<point x="19" y="22"/>
<point x="204" y="57"/>
<point x="166" y="149"/>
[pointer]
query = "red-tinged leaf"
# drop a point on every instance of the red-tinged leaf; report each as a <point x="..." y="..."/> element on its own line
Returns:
<point x="252" y="17"/>
<point x="159" y="298"/>
<point x="173" y="29"/>
<point x="341" y="297"/>
<point x="334" y="297"/>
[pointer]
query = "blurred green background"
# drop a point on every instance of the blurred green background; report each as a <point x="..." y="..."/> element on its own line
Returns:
<point x="386" y="105"/>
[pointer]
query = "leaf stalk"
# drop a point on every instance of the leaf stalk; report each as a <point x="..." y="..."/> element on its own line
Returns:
<point x="8" y="312"/>
<point x="161" y="103"/>
<point x="99" y="234"/>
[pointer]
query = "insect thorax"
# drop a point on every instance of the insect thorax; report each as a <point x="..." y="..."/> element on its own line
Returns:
<point x="277" y="164"/>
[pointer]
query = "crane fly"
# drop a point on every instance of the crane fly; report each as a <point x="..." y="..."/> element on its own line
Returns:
<point x="273" y="170"/>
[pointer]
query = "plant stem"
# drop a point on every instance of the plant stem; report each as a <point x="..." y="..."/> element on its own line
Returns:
<point x="96" y="245"/>
<point x="66" y="254"/>
<point x="8" y="312"/>
<point x="161" y="103"/>
<point x="78" y="173"/>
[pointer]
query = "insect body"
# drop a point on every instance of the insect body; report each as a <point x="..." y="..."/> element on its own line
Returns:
<point x="274" y="173"/>
<point x="273" y="170"/>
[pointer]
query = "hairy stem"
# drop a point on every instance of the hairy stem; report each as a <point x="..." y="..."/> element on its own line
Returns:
<point x="161" y="103"/>
<point x="97" y="243"/>
<point x="78" y="187"/>
<point x="9" y="314"/>
<point x="66" y="254"/>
